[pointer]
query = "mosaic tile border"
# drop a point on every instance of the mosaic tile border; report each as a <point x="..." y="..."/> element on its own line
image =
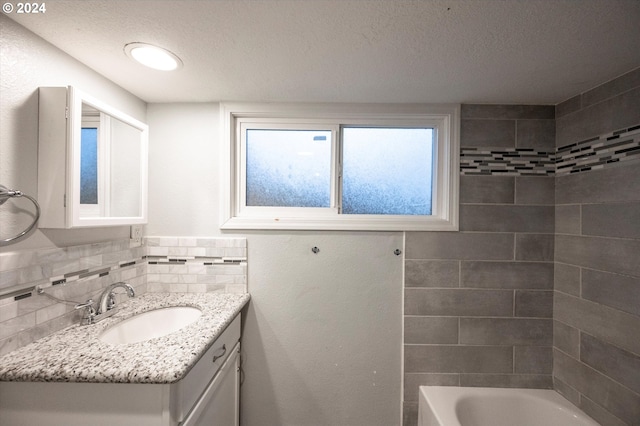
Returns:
<point x="197" y="260"/>
<point x="94" y="273"/>
<point x="508" y="162"/>
<point x="591" y="154"/>
<point x="597" y="153"/>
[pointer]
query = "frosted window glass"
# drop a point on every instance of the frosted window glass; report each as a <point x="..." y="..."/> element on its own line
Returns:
<point x="89" y="166"/>
<point x="387" y="171"/>
<point x="288" y="168"/>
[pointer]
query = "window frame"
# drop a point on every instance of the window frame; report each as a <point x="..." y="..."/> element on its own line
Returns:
<point x="445" y="119"/>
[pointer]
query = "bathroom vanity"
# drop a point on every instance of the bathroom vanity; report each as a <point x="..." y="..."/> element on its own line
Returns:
<point x="188" y="377"/>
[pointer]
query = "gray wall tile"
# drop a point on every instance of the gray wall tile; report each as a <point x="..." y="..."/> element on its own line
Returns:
<point x="605" y="254"/>
<point x="487" y="189"/>
<point x="612" y="88"/>
<point x="458" y="359"/>
<point x="459" y="245"/>
<point x="409" y="413"/>
<point x="432" y="273"/>
<point x="606" y="116"/>
<point x="506" y="331"/>
<point x="506" y="218"/>
<point x="616" y="327"/>
<point x="569" y="106"/>
<point x="531" y="381"/>
<point x="568" y="219"/>
<point x="430" y="330"/>
<point x="523" y="275"/>
<point x="507" y="111"/>
<point x="617" y="184"/>
<point x="617" y="399"/>
<point x="535" y="190"/>
<point x="598" y="413"/>
<point x="535" y="247"/>
<point x="619" y="365"/>
<point x="538" y="134"/>
<point x="497" y="303"/>
<point x="567" y="279"/>
<point x="566" y="338"/>
<point x="533" y="359"/>
<point x="487" y="133"/>
<point x="626" y="109"/>
<point x="567" y="391"/>
<point x="618" y="291"/>
<point x="534" y="303"/>
<point x="412" y="381"/>
<point x="612" y="220"/>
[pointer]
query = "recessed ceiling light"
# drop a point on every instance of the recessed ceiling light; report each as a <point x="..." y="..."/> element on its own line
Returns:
<point x="153" y="56"/>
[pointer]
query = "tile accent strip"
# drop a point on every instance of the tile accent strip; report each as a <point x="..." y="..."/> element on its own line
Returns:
<point x="597" y="153"/>
<point x="506" y="162"/>
<point x="93" y="273"/>
<point x="591" y="154"/>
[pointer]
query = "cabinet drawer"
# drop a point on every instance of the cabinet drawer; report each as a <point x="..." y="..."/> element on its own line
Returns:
<point x="186" y="392"/>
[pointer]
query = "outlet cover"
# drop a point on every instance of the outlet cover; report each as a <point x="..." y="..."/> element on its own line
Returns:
<point x="136" y="234"/>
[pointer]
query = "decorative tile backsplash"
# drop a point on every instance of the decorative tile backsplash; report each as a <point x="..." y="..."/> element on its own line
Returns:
<point x="197" y="265"/>
<point x="79" y="273"/>
<point x="75" y="274"/>
<point x="595" y="153"/>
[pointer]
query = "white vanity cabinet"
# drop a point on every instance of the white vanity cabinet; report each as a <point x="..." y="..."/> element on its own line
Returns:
<point x="219" y="402"/>
<point x="207" y="395"/>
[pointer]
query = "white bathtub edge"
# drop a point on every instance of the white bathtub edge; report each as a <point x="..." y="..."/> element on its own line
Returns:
<point x="437" y="404"/>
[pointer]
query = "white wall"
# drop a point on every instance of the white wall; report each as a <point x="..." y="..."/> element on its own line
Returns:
<point x="183" y="170"/>
<point x="322" y="334"/>
<point x="26" y="63"/>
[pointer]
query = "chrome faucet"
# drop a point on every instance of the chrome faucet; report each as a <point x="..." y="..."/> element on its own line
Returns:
<point x="105" y="306"/>
<point x="108" y="299"/>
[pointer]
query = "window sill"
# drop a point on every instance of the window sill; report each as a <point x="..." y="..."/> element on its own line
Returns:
<point x="343" y="223"/>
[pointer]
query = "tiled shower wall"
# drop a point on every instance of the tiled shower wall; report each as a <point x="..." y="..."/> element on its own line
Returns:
<point x="546" y="204"/>
<point x="478" y="303"/>
<point x="80" y="273"/>
<point x="597" y="254"/>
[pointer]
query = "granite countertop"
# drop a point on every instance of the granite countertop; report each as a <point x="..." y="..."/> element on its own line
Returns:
<point x="75" y="354"/>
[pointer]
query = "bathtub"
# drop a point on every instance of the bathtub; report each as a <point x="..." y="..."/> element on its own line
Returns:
<point x="460" y="406"/>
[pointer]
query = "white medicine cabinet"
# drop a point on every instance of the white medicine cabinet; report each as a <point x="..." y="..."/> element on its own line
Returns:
<point x="92" y="162"/>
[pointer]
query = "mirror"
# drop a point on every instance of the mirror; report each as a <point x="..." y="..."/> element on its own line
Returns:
<point x="106" y="163"/>
<point x="110" y="164"/>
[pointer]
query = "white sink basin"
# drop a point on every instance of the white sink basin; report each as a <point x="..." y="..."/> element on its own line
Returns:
<point x="150" y="324"/>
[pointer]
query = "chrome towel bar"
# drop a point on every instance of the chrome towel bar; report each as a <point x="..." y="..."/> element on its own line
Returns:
<point x="5" y="194"/>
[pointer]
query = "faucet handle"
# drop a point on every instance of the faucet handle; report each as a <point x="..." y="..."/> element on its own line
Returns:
<point x="89" y="313"/>
<point x="87" y="304"/>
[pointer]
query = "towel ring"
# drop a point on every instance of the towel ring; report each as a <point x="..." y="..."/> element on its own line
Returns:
<point x="5" y="194"/>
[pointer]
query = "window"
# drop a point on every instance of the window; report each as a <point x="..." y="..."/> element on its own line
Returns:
<point x="93" y="134"/>
<point x="340" y="167"/>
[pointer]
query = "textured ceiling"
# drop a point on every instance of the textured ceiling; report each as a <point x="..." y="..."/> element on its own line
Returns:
<point x="481" y="51"/>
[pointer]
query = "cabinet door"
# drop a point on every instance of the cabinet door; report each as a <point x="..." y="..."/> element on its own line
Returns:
<point x="220" y="404"/>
